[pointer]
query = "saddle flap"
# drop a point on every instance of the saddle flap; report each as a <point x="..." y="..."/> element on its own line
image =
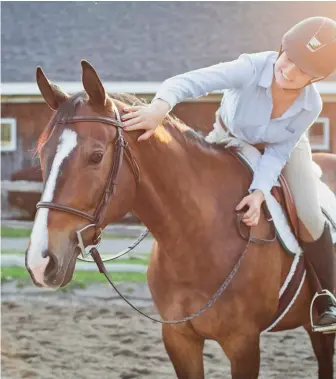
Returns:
<point x="284" y="197"/>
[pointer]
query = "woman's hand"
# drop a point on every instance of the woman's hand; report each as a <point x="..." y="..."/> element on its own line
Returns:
<point x="145" y="117"/>
<point x="253" y="201"/>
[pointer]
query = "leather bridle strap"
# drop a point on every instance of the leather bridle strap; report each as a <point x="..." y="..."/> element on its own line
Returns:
<point x="111" y="183"/>
<point x="121" y="147"/>
<point x="118" y="125"/>
<point x="101" y="119"/>
<point x="64" y="208"/>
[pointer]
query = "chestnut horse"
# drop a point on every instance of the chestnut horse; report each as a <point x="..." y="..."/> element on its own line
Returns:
<point x="186" y="196"/>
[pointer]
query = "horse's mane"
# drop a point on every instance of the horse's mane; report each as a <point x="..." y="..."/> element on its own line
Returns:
<point x="176" y="127"/>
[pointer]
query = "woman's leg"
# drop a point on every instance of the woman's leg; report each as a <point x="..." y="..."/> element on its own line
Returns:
<point x="302" y="182"/>
<point x="314" y="232"/>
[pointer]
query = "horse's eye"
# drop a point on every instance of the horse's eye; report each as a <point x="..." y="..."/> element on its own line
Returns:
<point x="96" y="157"/>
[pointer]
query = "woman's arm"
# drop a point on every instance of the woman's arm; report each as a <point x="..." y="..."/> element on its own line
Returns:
<point x="234" y="74"/>
<point x="196" y="83"/>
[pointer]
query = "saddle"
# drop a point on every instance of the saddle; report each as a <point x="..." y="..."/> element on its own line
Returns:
<point x="284" y="196"/>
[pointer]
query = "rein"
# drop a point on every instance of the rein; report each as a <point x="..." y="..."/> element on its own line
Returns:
<point x="96" y="220"/>
<point x="102" y="269"/>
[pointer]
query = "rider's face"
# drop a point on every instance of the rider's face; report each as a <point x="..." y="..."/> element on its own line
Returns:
<point x="289" y="76"/>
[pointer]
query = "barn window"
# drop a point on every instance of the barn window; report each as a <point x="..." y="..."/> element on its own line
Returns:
<point x="8" y="134"/>
<point x="319" y="134"/>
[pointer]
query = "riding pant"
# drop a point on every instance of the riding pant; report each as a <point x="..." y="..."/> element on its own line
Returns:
<point x="302" y="181"/>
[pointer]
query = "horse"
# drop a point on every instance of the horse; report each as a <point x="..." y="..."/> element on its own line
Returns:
<point x="185" y="191"/>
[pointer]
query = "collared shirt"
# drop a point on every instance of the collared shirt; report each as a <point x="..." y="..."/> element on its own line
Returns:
<point x="246" y="108"/>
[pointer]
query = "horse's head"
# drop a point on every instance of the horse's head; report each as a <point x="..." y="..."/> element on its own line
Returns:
<point x="81" y="154"/>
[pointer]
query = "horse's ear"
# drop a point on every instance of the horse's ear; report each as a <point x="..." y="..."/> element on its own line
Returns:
<point x="52" y="94"/>
<point x="92" y="84"/>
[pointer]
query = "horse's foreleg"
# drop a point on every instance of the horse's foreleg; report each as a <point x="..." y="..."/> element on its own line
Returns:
<point x="243" y="352"/>
<point x="185" y="352"/>
<point x="323" y="345"/>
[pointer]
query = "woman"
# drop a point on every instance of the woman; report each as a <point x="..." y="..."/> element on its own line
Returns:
<point x="269" y="98"/>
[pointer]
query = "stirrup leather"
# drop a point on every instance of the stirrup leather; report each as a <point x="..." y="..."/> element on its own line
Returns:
<point x="319" y="328"/>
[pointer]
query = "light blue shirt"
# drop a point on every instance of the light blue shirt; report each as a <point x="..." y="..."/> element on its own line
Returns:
<point x="246" y="108"/>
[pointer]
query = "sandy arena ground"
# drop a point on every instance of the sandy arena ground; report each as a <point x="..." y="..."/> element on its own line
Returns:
<point x="89" y="334"/>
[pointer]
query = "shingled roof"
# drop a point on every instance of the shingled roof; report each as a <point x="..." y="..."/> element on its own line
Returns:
<point x="139" y="41"/>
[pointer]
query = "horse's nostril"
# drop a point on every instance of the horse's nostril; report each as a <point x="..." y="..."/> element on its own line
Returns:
<point x="45" y="253"/>
<point x="52" y="266"/>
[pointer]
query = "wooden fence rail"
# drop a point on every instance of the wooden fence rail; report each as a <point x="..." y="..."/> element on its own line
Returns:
<point x="21" y="186"/>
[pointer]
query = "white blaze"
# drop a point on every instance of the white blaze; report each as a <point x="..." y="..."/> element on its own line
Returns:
<point x="39" y="235"/>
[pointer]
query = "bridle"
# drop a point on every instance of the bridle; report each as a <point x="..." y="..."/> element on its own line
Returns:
<point x="96" y="220"/>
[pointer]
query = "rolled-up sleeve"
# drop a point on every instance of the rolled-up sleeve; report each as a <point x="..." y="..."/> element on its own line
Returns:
<point x="193" y="84"/>
<point x="276" y="155"/>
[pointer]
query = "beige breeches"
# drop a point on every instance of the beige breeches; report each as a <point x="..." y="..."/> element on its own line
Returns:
<point x="302" y="181"/>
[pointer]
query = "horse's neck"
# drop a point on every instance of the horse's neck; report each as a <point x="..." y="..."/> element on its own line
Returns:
<point x="183" y="186"/>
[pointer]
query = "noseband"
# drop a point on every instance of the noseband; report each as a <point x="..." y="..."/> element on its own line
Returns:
<point x="96" y="220"/>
